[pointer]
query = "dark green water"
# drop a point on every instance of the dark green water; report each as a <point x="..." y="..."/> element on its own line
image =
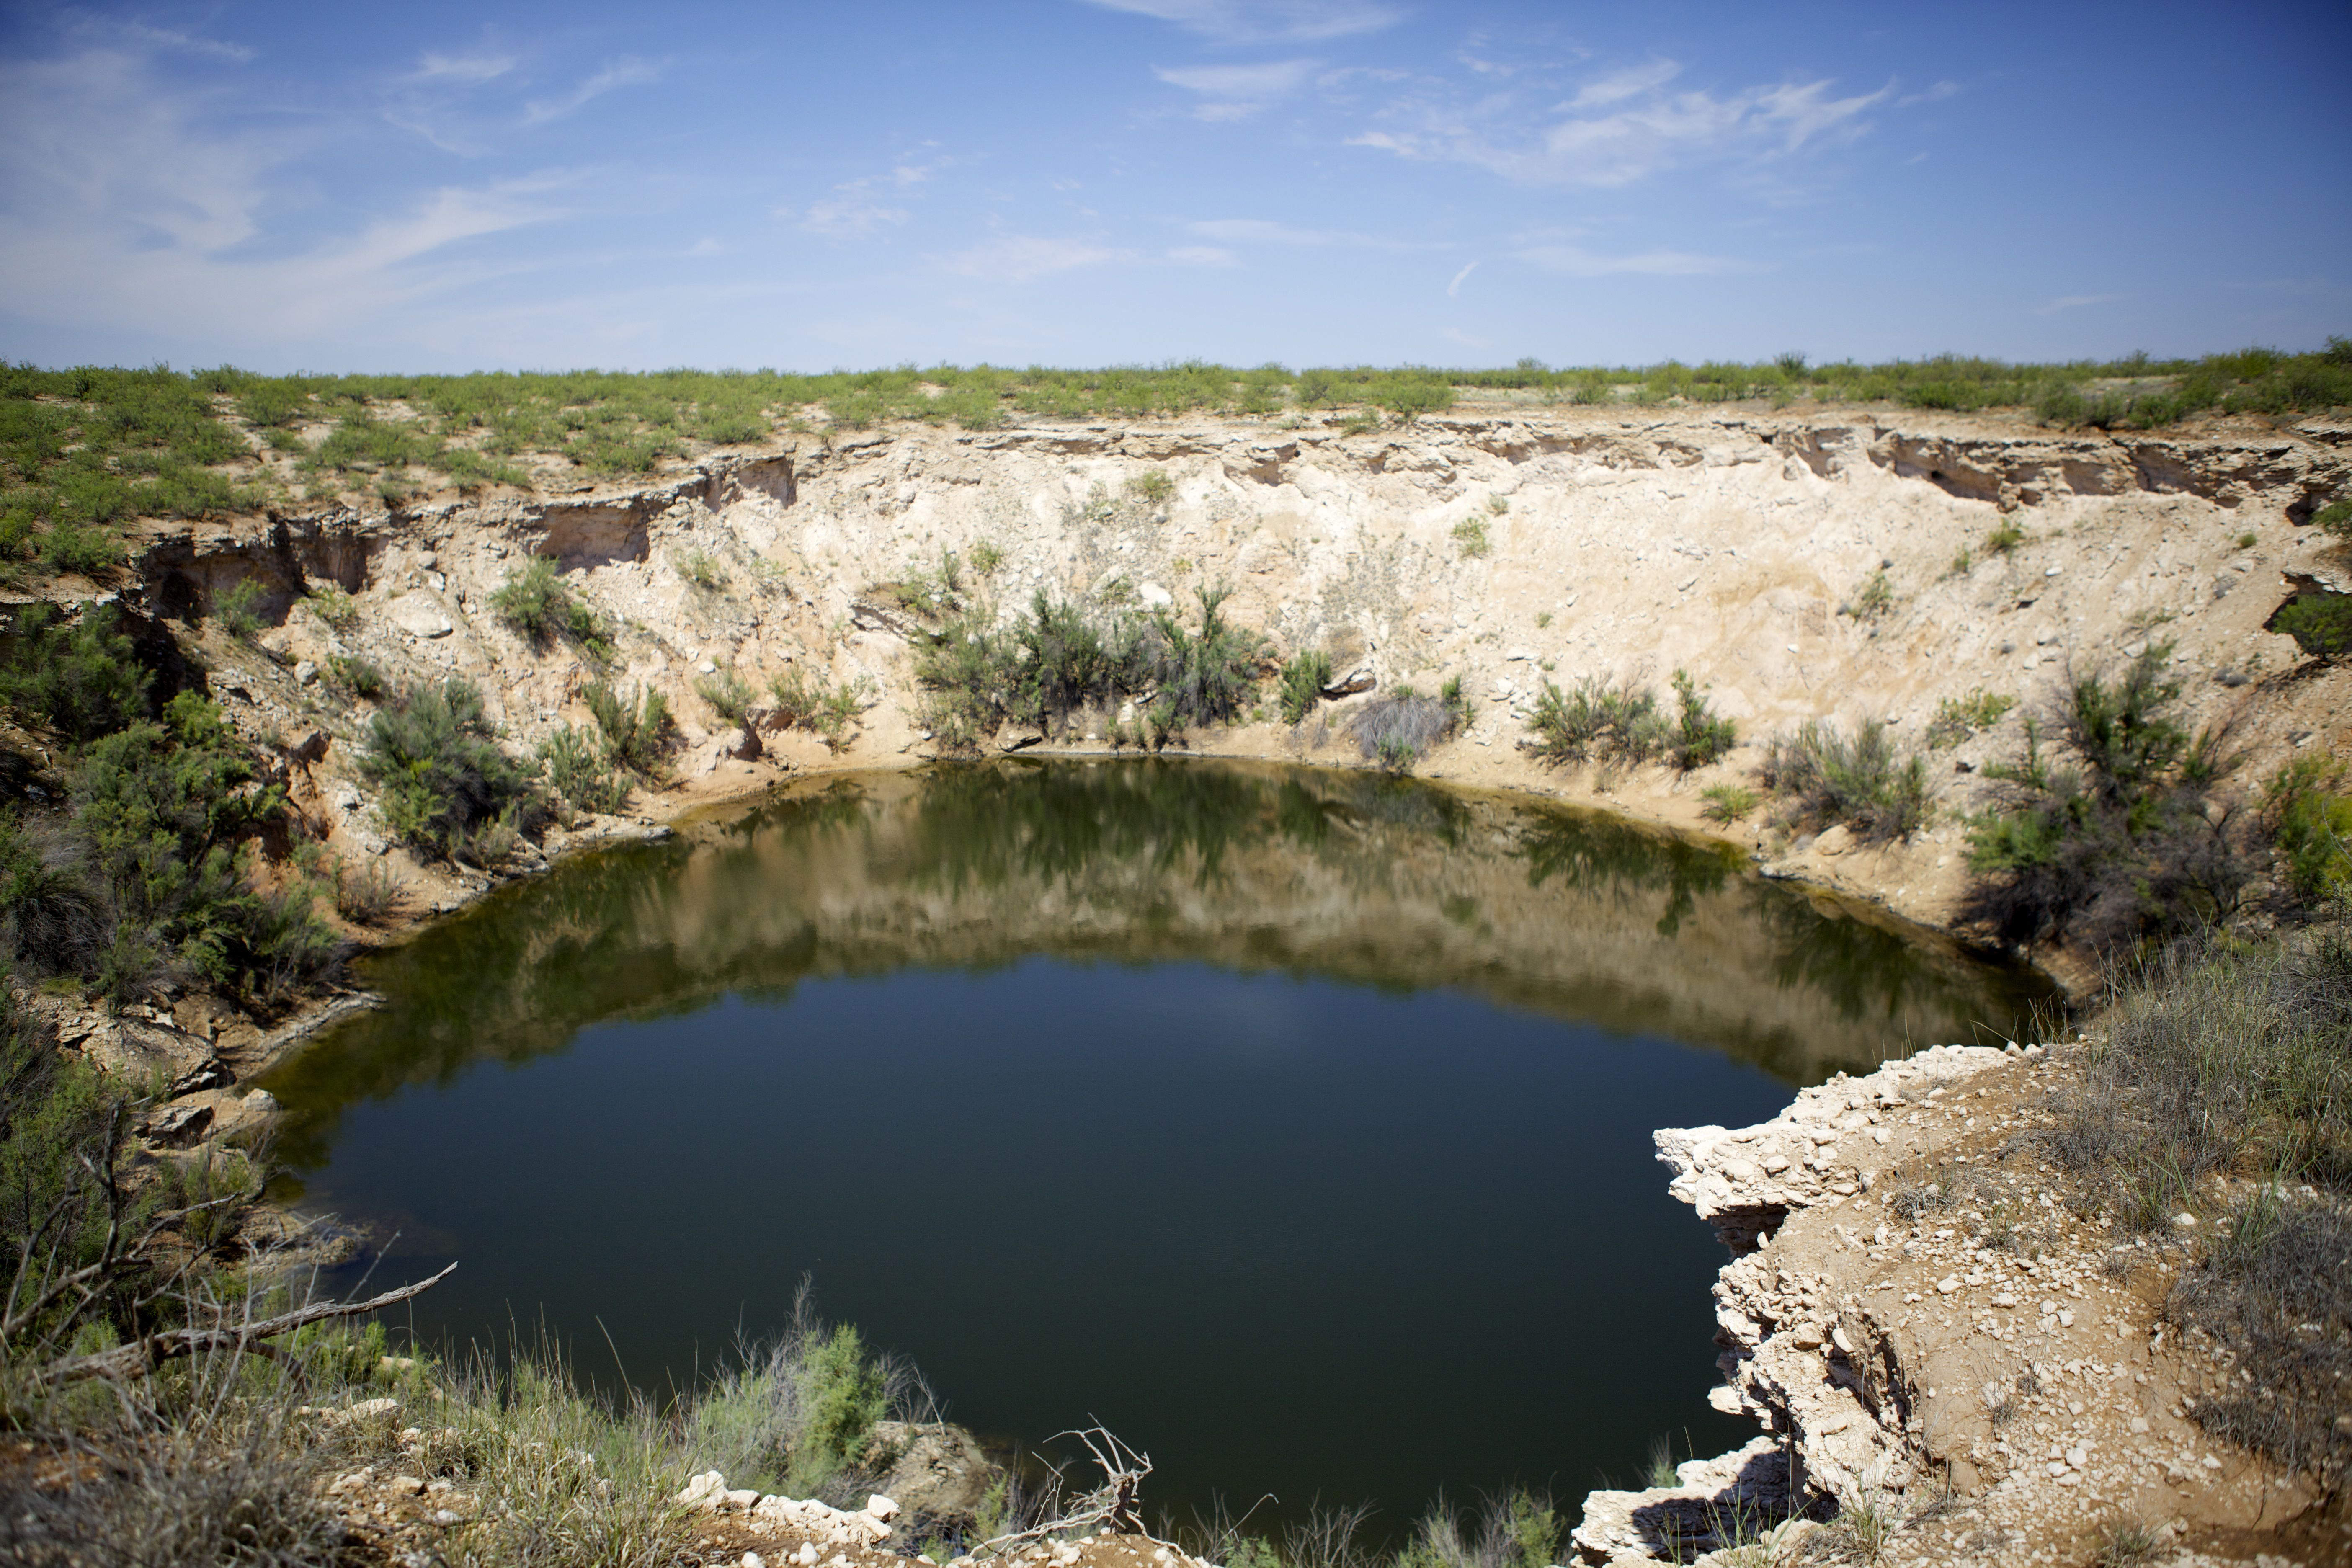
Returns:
<point x="1296" y="1125"/>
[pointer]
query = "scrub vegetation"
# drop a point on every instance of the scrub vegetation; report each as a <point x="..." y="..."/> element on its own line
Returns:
<point x="84" y="450"/>
<point x="1823" y="776"/>
<point x="1625" y="724"/>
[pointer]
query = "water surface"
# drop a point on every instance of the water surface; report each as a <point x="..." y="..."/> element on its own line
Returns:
<point x="1295" y="1124"/>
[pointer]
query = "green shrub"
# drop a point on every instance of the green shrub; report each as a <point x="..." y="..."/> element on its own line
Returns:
<point x="2320" y="623"/>
<point x="333" y="607"/>
<point x="1957" y="718"/>
<point x="2310" y="820"/>
<point x="1863" y="780"/>
<point x="986" y="557"/>
<point x="535" y="602"/>
<point x="358" y="676"/>
<point x="580" y="775"/>
<point x="236" y="608"/>
<point x="1152" y="486"/>
<point x="803" y="704"/>
<point x="729" y="695"/>
<point x="1470" y="535"/>
<point x="2002" y="541"/>
<point x="636" y="728"/>
<point x="2335" y="519"/>
<point x="82" y="679"/>
<point x="1617" y="725"/>
<point x="1728" y="803"/>
<point x="699" y="569"/>
<point x="2118" y="846"/>
<point x="84" y="551"/>
<point x="1209" y="672"/>
<point x="1701" y="736"/>
<point x="1303" y="680"/>
<point x="445" y="782"/>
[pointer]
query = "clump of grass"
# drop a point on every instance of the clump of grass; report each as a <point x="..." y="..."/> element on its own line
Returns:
<point x="797" y="1414"/>
<point x="236" y="607"/>
<point x="729" y="694"/>
<point x="1498" y="505"/>
<point x="1700" y="736"/>
<point x="1303" y="678"/>
<point x="805" y="704"/>
<point x="447" y="786"/>
<point x="1823" y="775"/>
<point x="367" y="897"/>
<point x="1957" y="718"/>
<point x="986" y="557"/>
<point x="2005" y="539"/>
<point x="1963" y="563"/>
<point x="1152" y="486"/>
<point x="699" y="569"/>
<point x="636" y="729"/>
<point x="1873" y="600"/>
<point x="2117" y="846"/>
<point x="1543" y="619"/>
<point x="536" y="603"/>
<point x="1728" y="802"/>
<point x="2247" y="541"/>
<point x="2128" y="1543"/>
<point x="2309" y="813"/>
<point x="1470" y="537"/>
<point x="1396" y="728"/>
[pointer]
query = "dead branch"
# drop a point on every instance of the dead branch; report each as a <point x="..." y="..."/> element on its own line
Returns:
<point x="1111" y="1504"/>
<point x="144" y="1354"/>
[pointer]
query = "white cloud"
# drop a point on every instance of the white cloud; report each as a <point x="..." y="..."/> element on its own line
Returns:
<point x="1203" y="255"/>
<point x="1258" y="21"/>
<point x="850" y="217"/>
<point x="2075" y="302"/>
<point x="1018" y="258"/>
<point x="1577" y="262"/>
<point x="462" y="70"/>
<point x="140" y="35"/>
<point x="1263" y="231"/>
<point x="1652" y="132"/>
<point x="626" y="71"/>
<point x="1235" y="92"/>
<point x="1942" y="89"/>
<point x="1454" y="290"/>
<point x="1622" y="85"/>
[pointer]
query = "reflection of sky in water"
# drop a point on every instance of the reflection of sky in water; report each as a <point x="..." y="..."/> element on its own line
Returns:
<point x="1318" y="1161"/>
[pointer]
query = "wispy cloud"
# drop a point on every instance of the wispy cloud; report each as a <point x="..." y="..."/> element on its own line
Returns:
<point x="1645" y="130"/>
<point x="1454" y="290"/>
<point x="2075" y="302"/>
<point x="1942" y="89"/>
<point x="462" y="70"/>
<point x="1235" y="92"/>
<point x="849" y="217"/>
<point x="1265" y="231"/>
<point x="1261" y="21"/>
<point x="626" y="71"/>
<point x="1203" y="255"/>
<point x="140" y="35"/>
<point x="1020" y="258"/>
<point x="1577" y="262"/>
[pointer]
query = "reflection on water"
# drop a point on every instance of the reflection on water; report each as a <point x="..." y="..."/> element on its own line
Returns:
<point x="1297" y="1124"/>
<point x="1395" y="883"/>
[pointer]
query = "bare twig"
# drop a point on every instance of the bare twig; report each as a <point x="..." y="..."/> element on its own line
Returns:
<point x="142" y="1355"/>
<point x="1112" y="1504"/>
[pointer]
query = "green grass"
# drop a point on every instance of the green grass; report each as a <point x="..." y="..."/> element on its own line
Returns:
<point x="1873" y="600"/>
<point x="1728" y="803"/>
<point x="1470" y="537"/>
<point x="237" y="608"/>
<point x="1957" y="718"/>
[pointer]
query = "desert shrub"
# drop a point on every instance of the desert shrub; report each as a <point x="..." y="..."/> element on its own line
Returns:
<point x="1514" y="1530"/>
<point x="2118" y="846"/>
<point x="986" y="557"/>
<point x="237" y="608"/>
<point x="2320" y="623"/>
<point x="357" y="676"/>
<point x="636" y="728"/>
<point x="333" y="607"/>
<point x="1823" y="775"/>
<point x="1617" y="725"/>
<point x="2309" y="814"/>
<point x="1701" y="736"/>
<point x="1304" y="677"/>
<point x="435" y="756"/>
<point x="2335" y="519"/>
<point x="699" y="569"/>
<point x="1152" y="486"/>
<point x="1728" y="803"/>
<point x="81" y="549"/>
<point x="1209" y="672"/>
<point x="536" y="603"/>
<point x="580" y="774"/>
<point x="82" y="679"/>
<point x="798" y="1415"/>
<point x="805" y="704"/>
<point x="1470" y="537"/>
<point x="1397" y="727"/>
<point x="369" y="895"/>
<point x="2004" y="539"/>
<point x="729" y="696"/>
<point x="1957" y="718"/>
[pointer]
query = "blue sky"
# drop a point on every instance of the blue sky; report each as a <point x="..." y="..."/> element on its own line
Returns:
<point x="436" y="186"/>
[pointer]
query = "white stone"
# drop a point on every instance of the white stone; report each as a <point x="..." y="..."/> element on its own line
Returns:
<point x="882" y="1507"/>
<point x="1947" y="1284"/>
<point x="419" y="616"/>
